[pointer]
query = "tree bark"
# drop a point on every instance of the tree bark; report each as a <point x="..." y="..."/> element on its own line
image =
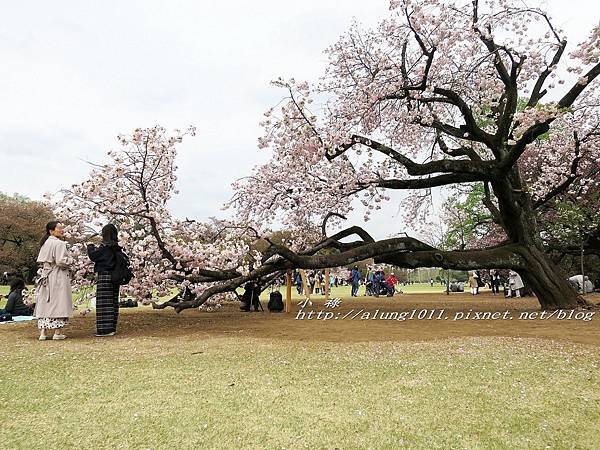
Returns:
<point x="547" y="281"/>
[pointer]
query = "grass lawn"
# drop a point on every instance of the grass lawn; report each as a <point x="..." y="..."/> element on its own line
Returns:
<point x="258" y="380"/>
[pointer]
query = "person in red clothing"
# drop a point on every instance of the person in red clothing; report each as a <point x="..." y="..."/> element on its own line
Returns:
<point x="391" y="281"/>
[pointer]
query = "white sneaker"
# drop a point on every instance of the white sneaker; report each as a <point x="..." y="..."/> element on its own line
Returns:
<point x="59" y="337"/>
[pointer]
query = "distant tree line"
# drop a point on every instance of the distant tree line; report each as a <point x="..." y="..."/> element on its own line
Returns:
<point x="22" y="223"/>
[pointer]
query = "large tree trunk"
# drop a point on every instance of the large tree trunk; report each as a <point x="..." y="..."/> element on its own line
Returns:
<point x="546" y="279"/>
<point x="548" y="282"/>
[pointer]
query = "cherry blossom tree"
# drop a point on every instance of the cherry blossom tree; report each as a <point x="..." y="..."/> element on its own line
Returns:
<point x="428" y="99"/>
<point x="132" y="190"/>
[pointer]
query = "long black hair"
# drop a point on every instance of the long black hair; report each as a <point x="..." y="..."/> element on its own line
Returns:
<point x="50" y="226"/>
<point x="17" y="284"/>
<point x="110" y="235"/>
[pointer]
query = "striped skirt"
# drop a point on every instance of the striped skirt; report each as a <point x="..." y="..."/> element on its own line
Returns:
<point x="107" y="304"/>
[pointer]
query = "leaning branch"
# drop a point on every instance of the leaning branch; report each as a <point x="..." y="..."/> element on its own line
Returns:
<point x="404" y="252"/>
<point x="479" y="168"/>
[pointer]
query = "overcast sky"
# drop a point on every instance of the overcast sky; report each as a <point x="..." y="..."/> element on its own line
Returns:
<point x="75" y="74"/>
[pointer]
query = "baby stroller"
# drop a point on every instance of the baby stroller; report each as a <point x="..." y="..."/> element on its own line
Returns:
<point x="381" y="289"/>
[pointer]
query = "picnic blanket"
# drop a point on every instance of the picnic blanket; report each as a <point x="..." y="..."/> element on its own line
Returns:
<point x="20" y="319"/>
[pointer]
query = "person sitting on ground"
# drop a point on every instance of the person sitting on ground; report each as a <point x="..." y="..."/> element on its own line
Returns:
<point x="581" y="284"/>
<point x="247" y="296"/>
<point x="251" y="296"/>
<point x="588" y="286"/>
<point x="391" y="282"/>
<point x="14" y="304"/>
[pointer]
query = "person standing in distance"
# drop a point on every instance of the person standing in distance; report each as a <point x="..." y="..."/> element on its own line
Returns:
<point x="355" y="280"/>
<point x="107" y="292"/>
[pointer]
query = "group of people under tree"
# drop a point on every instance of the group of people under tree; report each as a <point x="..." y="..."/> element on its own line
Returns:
<point x="316" y="282"/>
<point x="513" y="283"/>
<point x="53" y="294"/>
<point x="376" y="283"/>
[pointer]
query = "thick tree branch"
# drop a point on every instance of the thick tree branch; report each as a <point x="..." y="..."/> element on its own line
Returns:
<point x="570" y="97"/>
<point x="326" y="218"/>
<point x="479" y="168"/>
<point x="538" y="129"/>
<point x="456" y="152"/>
<point x="424" y="183"/>
<point x="537" y="93"/>
<point x="504" y="257"/>
<point x="470" y="123"/>
<point x="489" y="204"/>
<point x="403" y="252"/>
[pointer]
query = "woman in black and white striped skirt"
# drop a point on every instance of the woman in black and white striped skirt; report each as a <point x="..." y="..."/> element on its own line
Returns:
<point x="107" y="292"/>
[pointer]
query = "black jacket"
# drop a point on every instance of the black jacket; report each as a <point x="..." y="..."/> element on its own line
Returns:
<point x="15" y="305"/>
<point x="251" y="293"/>
<point x="103" y="256"/>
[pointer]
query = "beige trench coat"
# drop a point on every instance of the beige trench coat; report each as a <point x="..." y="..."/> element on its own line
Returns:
<point x="53" y="290"/>
<point x="515" y="281"/>
<point x="473" y="282"/>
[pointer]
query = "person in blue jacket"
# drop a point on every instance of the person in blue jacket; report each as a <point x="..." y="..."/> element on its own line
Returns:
<point x="355" y="278"/>
<point x="298" y="282"/>
<point x="379" y="282"/>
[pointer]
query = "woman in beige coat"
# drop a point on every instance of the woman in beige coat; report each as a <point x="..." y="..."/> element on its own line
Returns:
<point x="54" y="303"/>
<point x="474" y="283"/>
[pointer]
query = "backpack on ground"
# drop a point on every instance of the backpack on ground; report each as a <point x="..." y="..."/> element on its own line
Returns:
<point x="129" y="303"/>
<point x="275" y="302"/>
<point x="121" y="273"/>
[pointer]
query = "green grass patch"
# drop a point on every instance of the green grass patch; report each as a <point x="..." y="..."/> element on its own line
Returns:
<point x="237" y="391"/>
